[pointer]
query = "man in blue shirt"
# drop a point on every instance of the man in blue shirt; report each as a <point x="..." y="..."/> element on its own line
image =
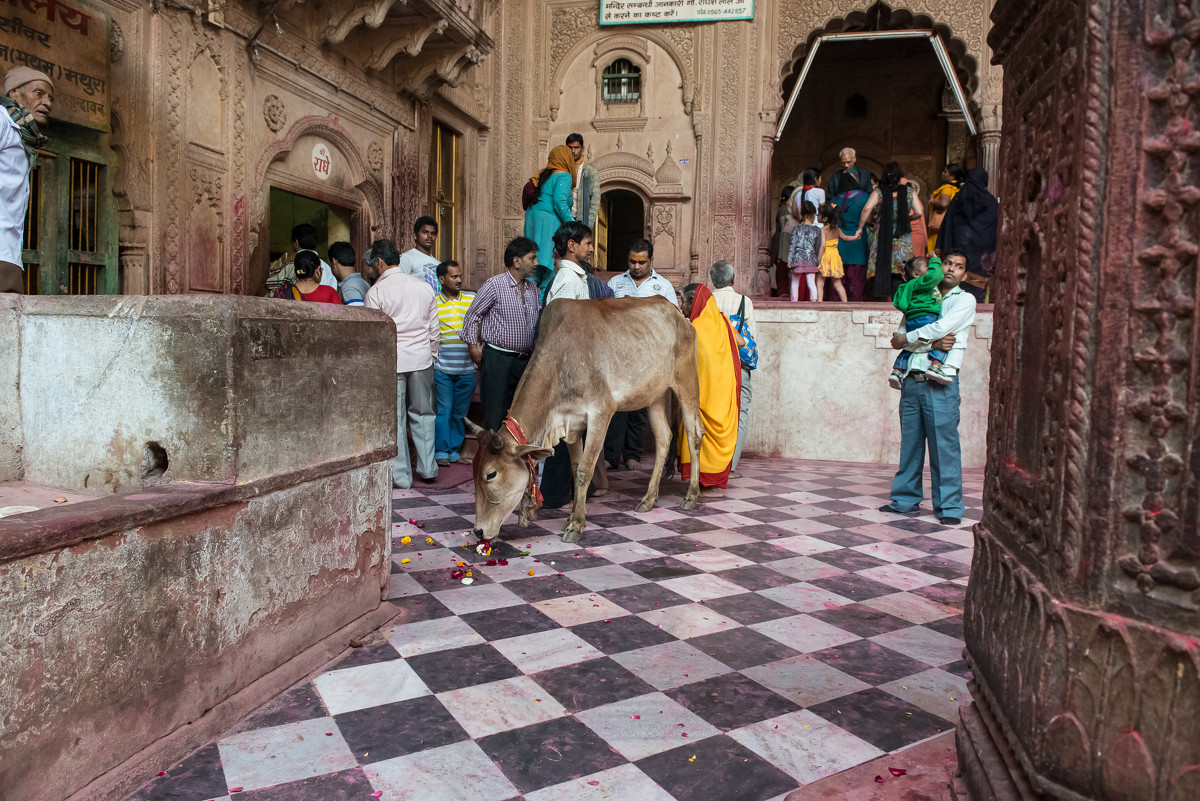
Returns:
<point x="627" y="430"/>
<point x="352" y="287"/>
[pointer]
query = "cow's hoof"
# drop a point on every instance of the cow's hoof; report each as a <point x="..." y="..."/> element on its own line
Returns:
<point x="644" y="507"/>
<point x="572" y="534"/>
<point x="689" y="504"/>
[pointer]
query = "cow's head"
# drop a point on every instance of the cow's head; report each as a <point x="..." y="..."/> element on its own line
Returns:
<point x="501" y="478"/>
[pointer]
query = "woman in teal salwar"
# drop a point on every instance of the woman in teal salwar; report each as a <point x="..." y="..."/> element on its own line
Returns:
<point x="551" y="208"/>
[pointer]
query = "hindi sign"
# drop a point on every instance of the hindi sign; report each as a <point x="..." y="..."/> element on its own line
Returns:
<point x="67" y="40"/>
<point x="642" y="12"/>
<point x="322" y="162"/>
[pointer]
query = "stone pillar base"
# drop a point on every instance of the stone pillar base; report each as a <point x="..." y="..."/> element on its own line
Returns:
<point x="987" y="768"/>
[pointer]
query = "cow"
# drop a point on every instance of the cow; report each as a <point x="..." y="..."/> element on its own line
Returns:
<point x="593" y="358"/>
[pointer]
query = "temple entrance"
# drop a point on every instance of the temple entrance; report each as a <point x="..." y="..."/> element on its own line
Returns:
<point x="888" y="98"/>
<point x="288" y="209"/>
<point x="622" y="220"/>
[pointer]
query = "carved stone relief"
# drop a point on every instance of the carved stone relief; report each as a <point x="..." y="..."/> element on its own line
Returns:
<point x="274" y="113"/>
<point x="375" y="156"/>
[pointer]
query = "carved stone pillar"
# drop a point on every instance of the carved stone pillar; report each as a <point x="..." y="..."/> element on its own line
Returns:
<point x="989" y="155"/>
<point x="1083" y="611"/>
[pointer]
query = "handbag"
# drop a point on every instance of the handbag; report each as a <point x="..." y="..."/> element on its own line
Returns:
<point x="748" y="353"/>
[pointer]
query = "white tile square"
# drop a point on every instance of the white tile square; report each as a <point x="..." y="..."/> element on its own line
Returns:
<point x="671" y="664"/>
<point x="899" y="576"/>
<point x="544" y="650"/>
<point x="805" y="680"/>
<point x="606" y="577"/>
<point x="935" y="691"/>
<point x="646" y="725"/>
<point x="805" y="746"/>
<point x="572" y="610"/>
<point x="889" y="551"/>
<point x="689" y="620"/>
<point x="912" y="608"/>
<point x="963" y="555"/>
<point x="424" y="636"/>
<point x="369" y="685"/>
<point x="721" y="539"/>
<point x="626" y="783"/>
<point x="804" y="568"/>
<point x="704" y="587"/>
<point x="962" y="537"/>
<point x="459" y="772"/>
<point x="805" y="597"/>
<point x="713" y="559"/>
<point x="466" y="599"/>
<point x="402" y="585"/>
<point x="727" y="520"/>
<point x="643" y="531"/>
<point x="922" y="644"/>
<point x="500" y="706"/>
<point x="805" y="634"/>
<point x="622" y="552"/>
<point x="288" y="753"/>
<point x="803" y="544"/>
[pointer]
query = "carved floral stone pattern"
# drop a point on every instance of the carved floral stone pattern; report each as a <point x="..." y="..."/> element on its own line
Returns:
<point x="375" y="156"/>
<point x="274" y="113"/>
<point x="1081" y="622"/>
<point x="568" y="26"/>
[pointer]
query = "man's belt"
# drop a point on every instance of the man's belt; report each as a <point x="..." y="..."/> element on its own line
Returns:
<point x="520" y="354"/>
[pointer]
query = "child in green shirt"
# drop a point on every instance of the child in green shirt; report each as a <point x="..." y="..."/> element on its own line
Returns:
<point x="921" y="301"/>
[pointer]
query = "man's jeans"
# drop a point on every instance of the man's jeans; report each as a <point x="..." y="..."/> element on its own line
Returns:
<point x="743" y="417"/>
<point x="453" y="400"/>
<point x="912" y="325"/>
<point x="415" y="410"/>
<point x="929" y="414"/>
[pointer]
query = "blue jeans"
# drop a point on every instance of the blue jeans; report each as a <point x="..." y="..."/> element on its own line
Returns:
<point x="929" y="414"/>
<point x="912" y="324"/>
<point x="453" y="400"/>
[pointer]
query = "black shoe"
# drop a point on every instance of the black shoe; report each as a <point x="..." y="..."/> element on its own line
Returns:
<point x="887" y="507"/>
<point x="950" y="521"/>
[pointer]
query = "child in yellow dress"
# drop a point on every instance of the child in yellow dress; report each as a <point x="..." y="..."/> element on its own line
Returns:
<point x="831" y="262"/>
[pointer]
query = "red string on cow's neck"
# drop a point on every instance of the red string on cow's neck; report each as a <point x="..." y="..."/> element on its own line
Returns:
<point x="535" y="493"/>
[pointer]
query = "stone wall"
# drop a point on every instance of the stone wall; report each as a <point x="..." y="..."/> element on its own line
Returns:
<point x="821" y="392"/>
<point x="138" y="623"/>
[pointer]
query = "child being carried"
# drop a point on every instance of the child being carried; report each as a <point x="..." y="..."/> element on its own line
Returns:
<point x="921" y="301"/>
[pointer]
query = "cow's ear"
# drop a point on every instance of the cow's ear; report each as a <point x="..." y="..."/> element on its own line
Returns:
<point x="537" y="453"/>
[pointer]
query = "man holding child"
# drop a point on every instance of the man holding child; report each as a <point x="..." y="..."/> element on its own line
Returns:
<point x="929" y="410"/>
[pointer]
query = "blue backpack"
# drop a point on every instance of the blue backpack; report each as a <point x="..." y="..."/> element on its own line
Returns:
<point x="748" y="352"/>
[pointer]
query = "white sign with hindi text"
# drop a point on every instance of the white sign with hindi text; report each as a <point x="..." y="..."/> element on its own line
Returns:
<point x="641" y="12"/>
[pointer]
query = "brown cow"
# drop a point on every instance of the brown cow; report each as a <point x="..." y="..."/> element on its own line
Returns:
<point x="593" y="358"/>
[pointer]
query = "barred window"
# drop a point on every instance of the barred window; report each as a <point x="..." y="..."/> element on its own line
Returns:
<point x="621" y="82"/>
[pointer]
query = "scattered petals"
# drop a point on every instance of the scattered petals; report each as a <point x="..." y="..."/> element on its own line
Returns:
<point x="235" y="789"/>
<point x="879" y="779"/>
<point x="490" y="563"/>
<point x="412" y="522"/>
<point x="635" y="717"/>
<point x="405" y="561"/>
<point x="594" y="783"/>
<point x="531" y="572"/>
<point x="376" y="794"/>
<point x="429" y="540"/>
<point x="692" y="758"/>
<point x="897" y="771"/>
<point x="457" y="574"/>
<point x="162" y="773"/>
<point x="468" y="580"/>
<point x="405" y="540"/>
<point x="502" y="562"/>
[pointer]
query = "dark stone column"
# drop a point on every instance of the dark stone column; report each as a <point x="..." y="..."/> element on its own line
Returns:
<point x="1083" y="612"/>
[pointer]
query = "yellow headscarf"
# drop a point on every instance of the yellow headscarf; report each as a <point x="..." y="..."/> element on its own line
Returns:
<point x="560" y="160"/>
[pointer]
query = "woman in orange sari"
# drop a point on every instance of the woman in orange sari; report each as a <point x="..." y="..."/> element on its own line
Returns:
<point x="720" y="371"/>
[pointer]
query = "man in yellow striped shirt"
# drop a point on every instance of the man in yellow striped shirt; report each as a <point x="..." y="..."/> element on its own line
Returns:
<point x="453" y="372"/>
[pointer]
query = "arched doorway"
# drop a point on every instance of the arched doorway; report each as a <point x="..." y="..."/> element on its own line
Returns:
<point x="887" y="98"/>
<point x="622" y="220"/>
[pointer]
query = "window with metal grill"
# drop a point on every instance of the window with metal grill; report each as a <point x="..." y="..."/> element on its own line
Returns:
<point x="621" y="82"/>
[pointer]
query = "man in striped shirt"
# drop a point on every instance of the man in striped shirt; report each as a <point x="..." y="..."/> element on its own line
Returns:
<point x="453" y="372"/>
<point x="499" y="329"/>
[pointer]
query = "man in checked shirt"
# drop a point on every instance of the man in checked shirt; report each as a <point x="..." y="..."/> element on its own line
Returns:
<point x="499" y="329"/>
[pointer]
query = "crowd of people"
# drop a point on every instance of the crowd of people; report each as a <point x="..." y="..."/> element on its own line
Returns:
<point x="448" y="340"/>
<point x="859" y="237"/>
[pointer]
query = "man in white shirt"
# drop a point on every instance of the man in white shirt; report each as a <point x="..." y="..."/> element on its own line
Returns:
<point x="28" y="98"/>
<point x="413" y="307"/>
<point x="929" y="411"/>
<point x="573" y="244"/>
<point x="419" y="262"/>
<point x="730" y="302"/>
<point x="627" y="430"/>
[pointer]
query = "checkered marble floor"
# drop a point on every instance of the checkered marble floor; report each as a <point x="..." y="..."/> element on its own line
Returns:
<point x="762" y="642"/>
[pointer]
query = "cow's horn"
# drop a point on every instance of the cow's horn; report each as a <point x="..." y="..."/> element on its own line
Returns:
<point x="474" y="429"/>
